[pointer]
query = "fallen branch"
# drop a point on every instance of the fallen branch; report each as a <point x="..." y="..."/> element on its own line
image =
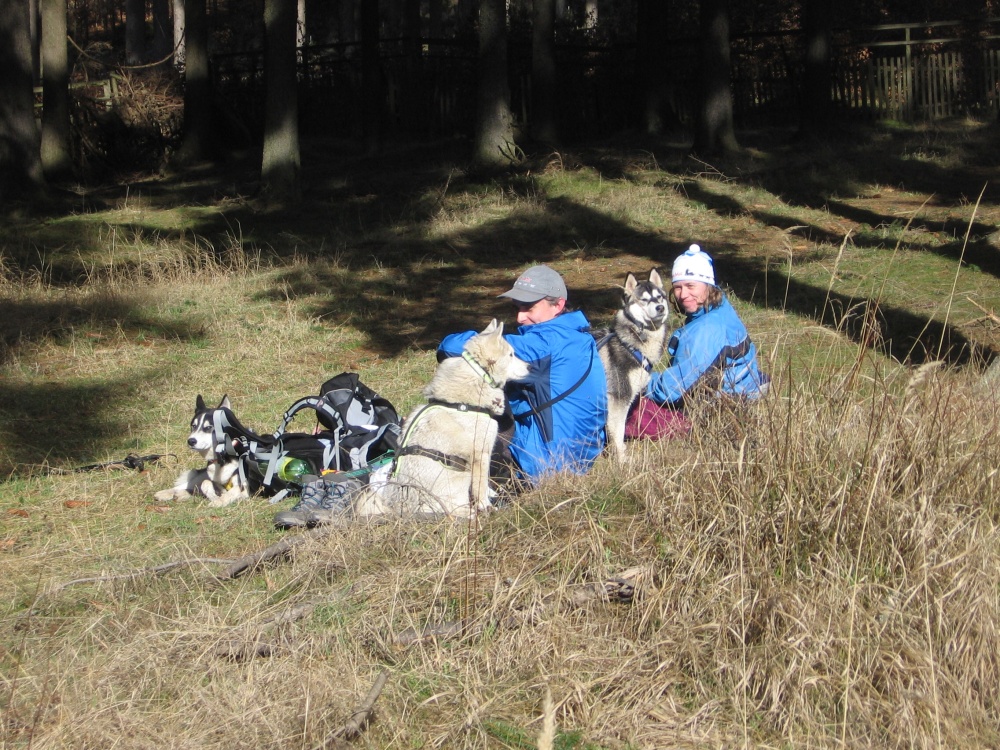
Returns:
<point x="276" y="550"/>
<point x="156" y="570"/>
<point x="241" y="650"/>
<point x="131" y="461"/>
<point x="358" y="719"/>
<point x="990" y="315"/>
<point x="282" y="548"/>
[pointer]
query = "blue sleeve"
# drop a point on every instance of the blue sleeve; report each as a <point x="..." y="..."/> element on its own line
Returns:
<point x="453" y="344"/>
<point x="528" y="348"/>
<point x="663" y="388"/>
<point x="692" y="358"/>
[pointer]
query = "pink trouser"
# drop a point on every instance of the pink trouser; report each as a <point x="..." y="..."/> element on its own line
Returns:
<point x="649" y="420"/>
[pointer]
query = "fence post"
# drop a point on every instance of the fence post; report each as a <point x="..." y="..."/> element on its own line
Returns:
<point x="908" y="77"/>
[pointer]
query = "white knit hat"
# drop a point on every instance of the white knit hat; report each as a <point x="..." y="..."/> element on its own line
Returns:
<point x="694" y="265"/>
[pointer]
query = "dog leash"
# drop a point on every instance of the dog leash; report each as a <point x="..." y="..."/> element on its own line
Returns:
<point x="131" y="461"/>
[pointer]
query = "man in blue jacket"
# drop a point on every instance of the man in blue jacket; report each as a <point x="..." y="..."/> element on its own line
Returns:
<point x="559" y="411"/>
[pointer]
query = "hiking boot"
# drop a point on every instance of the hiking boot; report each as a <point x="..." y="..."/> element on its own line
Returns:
<point x="320" y="501"/>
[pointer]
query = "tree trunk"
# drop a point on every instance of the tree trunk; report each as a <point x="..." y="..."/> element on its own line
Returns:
<point x="371" y="78"/>
<point x="392" y="21"/>
<point x="465" y="14"/>
<point x="178" y="9"/>
<point x="162" y="47"/>
<point x="135" y="32"/>
<point x="413" y="100"/>
<point x="34" y="20"/>
<point x="435" y="18"/>
<point x="656" y="90"/>
<point x="815" y="96"/>
<point x="494" y="138"/>
<point x="20" y="163"/>
<point x="57" y="162"/>
<point x="280" y="164"/>
<point x="347" y="29"/>
<point x="714" y="131"/>
<point x="543" y="73"/>
<point x="196" y="143"/>
<point x="301" y="33"/>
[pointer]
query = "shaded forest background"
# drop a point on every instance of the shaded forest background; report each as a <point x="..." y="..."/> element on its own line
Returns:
<point x="158" y="82"/>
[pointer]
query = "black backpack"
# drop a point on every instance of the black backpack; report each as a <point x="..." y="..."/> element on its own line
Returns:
<point x="360" y="430"/>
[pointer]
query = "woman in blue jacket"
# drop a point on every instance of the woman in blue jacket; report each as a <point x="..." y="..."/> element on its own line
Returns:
<point x="711" y="354"/>
<point x="559" y="411"/>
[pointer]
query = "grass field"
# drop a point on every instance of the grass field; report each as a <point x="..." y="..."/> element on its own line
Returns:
<point x="819" y="572"/>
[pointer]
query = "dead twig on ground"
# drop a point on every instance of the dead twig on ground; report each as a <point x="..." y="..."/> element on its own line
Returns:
<point x="241" y="650"/>
<point x="276" y="550"/>
<point x="359" y="718"/>
<point x="283" y="547"/>
<point x="155" y="570"/>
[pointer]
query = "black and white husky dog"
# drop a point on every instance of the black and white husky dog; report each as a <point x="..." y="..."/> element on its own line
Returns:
<point x="219" y="479"/>
<point x="630" y="350"/>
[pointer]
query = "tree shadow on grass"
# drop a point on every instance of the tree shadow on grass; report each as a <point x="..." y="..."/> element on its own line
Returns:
<point x="60" y="425"/>
<point x="25" y="321"/>
<point x="419" y="291"/>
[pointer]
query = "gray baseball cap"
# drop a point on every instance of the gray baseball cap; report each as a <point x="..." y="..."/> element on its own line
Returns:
<point x="537" y="283"/>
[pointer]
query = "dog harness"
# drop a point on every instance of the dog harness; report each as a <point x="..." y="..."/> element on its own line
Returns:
<point x="641" y="358"/>
<point x="448" y="460"/>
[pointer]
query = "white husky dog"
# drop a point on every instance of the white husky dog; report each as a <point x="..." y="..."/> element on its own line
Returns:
<point x="219" y="479"/>
<point x="443" y="463"/>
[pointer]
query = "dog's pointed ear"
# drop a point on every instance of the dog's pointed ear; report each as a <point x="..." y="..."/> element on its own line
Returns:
<point x="491" y="327"/>
<point x="630" y="283"/>
<point x="654" y="277"/>
<point x="499" y="329"/>
<point x="199" y="403"/>
<point x="224" y="404"/>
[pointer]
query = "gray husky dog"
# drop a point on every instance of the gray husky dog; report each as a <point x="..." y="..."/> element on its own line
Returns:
<point x="630" y="350"/>
<point x="443" y="463"/>
<point x="219" y="479"/>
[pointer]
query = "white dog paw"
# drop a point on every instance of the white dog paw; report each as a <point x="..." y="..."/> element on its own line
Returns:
<point x="208" y="489"/>
<point x="174" y="493"/>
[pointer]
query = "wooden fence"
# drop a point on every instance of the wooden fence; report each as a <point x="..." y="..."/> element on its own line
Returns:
<point x="906" y="72"/>
<point x="921" y="76"/>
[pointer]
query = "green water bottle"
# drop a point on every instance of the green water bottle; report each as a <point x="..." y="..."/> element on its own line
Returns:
<point x="292" y="469"/>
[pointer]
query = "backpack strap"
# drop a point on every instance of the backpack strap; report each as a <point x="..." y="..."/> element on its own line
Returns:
<point x="359" y="453"/>
<point x="316" y="403"/>
<point x="234" y="441"/>
<point x="537" y="410"/>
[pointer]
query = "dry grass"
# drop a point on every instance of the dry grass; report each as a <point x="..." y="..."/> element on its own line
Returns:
<point x="818" y="571"/>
